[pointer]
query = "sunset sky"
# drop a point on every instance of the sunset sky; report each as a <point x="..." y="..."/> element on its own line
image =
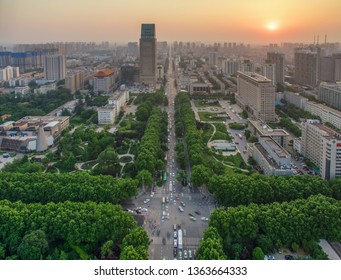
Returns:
<point x="249" y="21"/>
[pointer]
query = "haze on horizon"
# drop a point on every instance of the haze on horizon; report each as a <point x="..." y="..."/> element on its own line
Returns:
<point x="249" y="21"/>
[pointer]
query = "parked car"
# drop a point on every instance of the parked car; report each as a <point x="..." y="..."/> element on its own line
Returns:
<point x="289" y="257"/>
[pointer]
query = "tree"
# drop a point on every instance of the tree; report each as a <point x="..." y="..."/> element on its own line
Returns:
<point x="200" y="175"/>
<point x="257" y="254"/>
<point x="137" y="237"/>
<point x="145" y="178"/>
<point x="108" y="163"/>
<point x="106" y="250"/>
<point x="33" y="246"/>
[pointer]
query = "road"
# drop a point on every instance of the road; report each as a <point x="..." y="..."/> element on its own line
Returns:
<point x="162" y="246"/>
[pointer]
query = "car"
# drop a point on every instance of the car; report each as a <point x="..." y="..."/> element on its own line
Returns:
<point x="174" y="252"/>
<point x="175" y="243"/>
<point x="185" y="254"/>
<point x="179" y="255"/>
<point x="189" y="253"/>
<point x="289" y="257"/>
<point x="144" y="210"/>
<point x="146" y="201"/>
<point x="181" y="209"/>
<point x="175" y="226"/>
<point x="182" y="203"/>
<point x="190" y="214"/>
<point x="197" y="212"/>
<point x="192" y="218"/>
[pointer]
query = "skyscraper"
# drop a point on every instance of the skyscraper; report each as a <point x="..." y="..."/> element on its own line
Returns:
<point x="54" y="67"/>
<point x="148" y="55"/>
<point x="306" y="67"/>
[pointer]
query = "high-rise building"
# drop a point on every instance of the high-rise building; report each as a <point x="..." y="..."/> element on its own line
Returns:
<point x="54" y="67"/>
<point x="330" y="68"/>
<point x="306" y="67"/>
<point x="256" y="95"/>
<point x="322" y="145"/>
<point x="212" y="58"/>
<point x="8" y="73"/>
<point x="148" y="55"/>
<point x="230" y="66"/>
<point x="278" y="59"/>
<point x="74" y="81"/>
<point x="330" y="93"/>
<point x="269" y="70"/>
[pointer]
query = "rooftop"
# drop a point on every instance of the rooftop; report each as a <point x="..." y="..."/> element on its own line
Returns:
<point x="104" y="73"/>
<point x="255" y="76"/>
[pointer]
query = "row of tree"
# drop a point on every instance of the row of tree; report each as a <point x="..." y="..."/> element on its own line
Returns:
<point x="151" y="153"/>
<point x="185" y="126"/>
<point x="77" y="187"/>
<point x="239" y="189"/>
<point x="53" y="231"/>
<point x="290" y="224"/>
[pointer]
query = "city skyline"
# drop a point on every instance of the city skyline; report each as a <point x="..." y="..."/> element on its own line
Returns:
<point x="260" y="22"/>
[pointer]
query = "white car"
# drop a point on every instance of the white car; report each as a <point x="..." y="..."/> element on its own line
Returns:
<point x="181" y="209"/>
<point x="146" y="201"/>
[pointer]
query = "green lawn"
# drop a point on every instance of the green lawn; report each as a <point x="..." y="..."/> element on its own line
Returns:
<point x="207" y="116"/>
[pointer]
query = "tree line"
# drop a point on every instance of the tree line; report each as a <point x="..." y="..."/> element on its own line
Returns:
<point x="300" y="222"/>
<point x="238" y="189"/>
<point x="76" y="187"/>
<point x="69" y="230"/>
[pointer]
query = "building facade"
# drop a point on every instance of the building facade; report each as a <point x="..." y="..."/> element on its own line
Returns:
<point x="104" y="81"/>
<point x="74" y="81"/>
<point x="54" y="67"/>
<point x="148" y="51"/>
<point x="107" y="114"/>
<point x="278" y="59"/>
<point x="322" y="145"/>
<point x="306" y="67"/>
<point x="330" y="93"/>
<point x="256" y="95"/>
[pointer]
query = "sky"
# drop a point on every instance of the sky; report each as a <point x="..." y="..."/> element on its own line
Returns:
<point x="248" y="21"/>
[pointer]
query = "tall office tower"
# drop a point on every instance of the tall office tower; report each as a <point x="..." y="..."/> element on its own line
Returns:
<point x="212" y="59"/>
<point x="54" y="67"/>
<point x="306" y="67"/>
<point x="322" y="145"/>
<point x="278" y="59"/>
<point x="148" y="55"/>
<point x="74" y="81"/>
<point x="247" y="66"/>
<point x="269" y="70"/>
<point x="256" y="95"/>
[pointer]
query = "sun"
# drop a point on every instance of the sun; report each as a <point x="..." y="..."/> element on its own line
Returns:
<point x="272" y="26"/>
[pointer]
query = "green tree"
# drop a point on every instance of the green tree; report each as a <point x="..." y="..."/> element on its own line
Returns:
<point x="200" y="175"/>
<point x="108" y="163"/>
<point x="33" y="246"/>
<point x="145" y="178"/>
<point x="257" y="254"/>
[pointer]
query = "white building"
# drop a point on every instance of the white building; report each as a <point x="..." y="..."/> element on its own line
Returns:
<point x="322" y="145"/>
<point x="326" y="113"/>
<point x="119" y="100"/>
<point x="9" y="73"/>
<point x="104" y="81"/>
<point x="107" y="114"/>
<point x="230" y="66"/>
<point x="22" y="90"/>
<point x="330" y="93"/>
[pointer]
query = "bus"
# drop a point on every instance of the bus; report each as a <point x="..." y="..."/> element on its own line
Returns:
<point x="180" y="239"/>
<point x="164" y="176"/>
